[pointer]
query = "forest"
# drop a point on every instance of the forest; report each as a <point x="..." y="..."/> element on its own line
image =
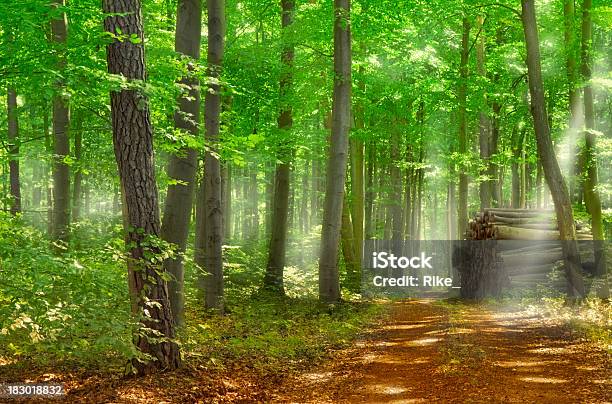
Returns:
<point x="191" y="192"/>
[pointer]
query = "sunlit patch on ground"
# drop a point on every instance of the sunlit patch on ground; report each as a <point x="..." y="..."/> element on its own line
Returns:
<point x="384" y="343"/>
<point x="522" y="364"/>
<point x="500" y="329"/>
<point x="551" y="350"/>
<point x="318" y="377"/>
<point x="6" y="361"/>
<point x="602" y="381"/>
<point x="387" y="390"/>
<point x="403" y="326"/>
<point x="587" y="368"/>
<point x="422" y="341"/>
<point x="461" y="331"/>
<point x="551" y="380"/>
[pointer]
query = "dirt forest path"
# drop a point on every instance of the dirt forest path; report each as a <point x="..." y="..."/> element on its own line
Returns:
<point x="427" y="352"/>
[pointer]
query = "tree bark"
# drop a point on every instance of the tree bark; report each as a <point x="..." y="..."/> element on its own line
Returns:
<point x="61" y="138"/>
<point x="348" y="248"/>
<point x="133" y="144"/>
<point x="209" y="242"/>
<point x="183" y="165"/>
<point x="13" y="140"/>
<point x="462" y="208"/>
<point x="329" y="284"/>
<point x="273" y="279"/>
<point x="546" y="151"/>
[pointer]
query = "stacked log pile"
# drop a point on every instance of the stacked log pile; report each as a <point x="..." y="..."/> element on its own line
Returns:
<point x="524" y="264"/>
<point x="517" y="224"/>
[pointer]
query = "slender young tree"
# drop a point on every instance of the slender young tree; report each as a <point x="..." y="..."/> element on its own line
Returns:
<point x="209" y="238"/>
<point x="484" y="135"/>
<point x="182" y="166"/>
<point x="61" y="136"/>
<point x="552" y="172"/>
<point x="280" y="206"/>
<point x="133" y="144"/>
<point x="462" y="207"/>
<point x="329" y="284"/>
<point x="569" y="36"/>
<point x="13" y="140"/>
<point x="77" y="192"/>
<point x="591" y="196"/>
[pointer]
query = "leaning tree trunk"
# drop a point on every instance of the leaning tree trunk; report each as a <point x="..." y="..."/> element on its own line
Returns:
<point x="462" y="208"/>
<point x="13" y="140"/>
<point x="329" y="283"/>
<point x="61" y="138"/>
<point x="280" y="206"/>
<point x="133" y="144"/>
<point x="209" y="239"/>
<point x="546" y="151"/>
<point x="183" y="165"/>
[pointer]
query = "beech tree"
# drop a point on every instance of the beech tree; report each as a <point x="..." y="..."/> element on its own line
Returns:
<point x="329" y="287"/>
<point x="280" y="205"/>
<point x="13" y="139"/>
<point x="209" y="237"/>
<point x="182" y="166"/>
<point x="61" y="127"/>
<point x="552" y="172"/>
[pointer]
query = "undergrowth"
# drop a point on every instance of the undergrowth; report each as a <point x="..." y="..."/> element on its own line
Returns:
<point x="72" y="308"/>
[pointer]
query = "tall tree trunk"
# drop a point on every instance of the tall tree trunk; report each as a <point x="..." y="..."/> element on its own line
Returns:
<point x="227" y="205"/>
<point x="369" y="192"/>
<point x="450" y="209"/>
<point x="61" y="138"/>
<point x="462" y="208"/>
<point x="396" y="186"/>
<point x="546" y="151"/>
<point x="496" y="191"/>
<point x="329" y="283"/>
<point x="254" y="202"/>
<point x="13" y="140"/>
<point x="357" y="179"/>
<point x="133" y="144"/>
<point x="591" y="195"/>
<point x="523" y="164"/>
<point x="539" y="186"/>
<point x="278" y="239"/>
<point x="77" y="192"/>
<point x="209" y="242"/>
<point x="485" y="123"/>
<point x="182" y="166"/>
<point x="49" y="187"/>
<point x="348" y="248"/>
<point x="573" y="97"/>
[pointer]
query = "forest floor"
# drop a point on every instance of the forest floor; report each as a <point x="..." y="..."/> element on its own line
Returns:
<point x="434" y="352"/>
<point x="423" y="351"/>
